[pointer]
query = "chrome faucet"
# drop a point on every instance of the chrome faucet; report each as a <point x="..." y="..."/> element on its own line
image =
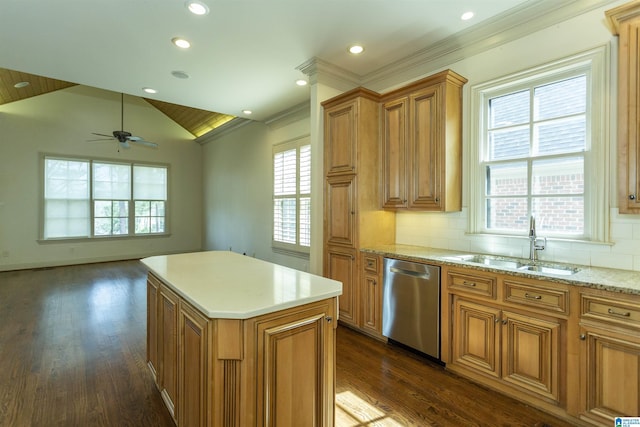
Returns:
<point x="534" y="246"/>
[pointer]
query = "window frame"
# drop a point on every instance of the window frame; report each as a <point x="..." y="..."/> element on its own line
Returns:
<point x="595" y="63"/>
<point x="131" y="202"/>
<point x="289" y="248"/>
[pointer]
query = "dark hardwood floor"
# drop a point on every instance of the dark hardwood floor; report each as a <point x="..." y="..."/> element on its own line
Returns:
<point x="72" y="353"/>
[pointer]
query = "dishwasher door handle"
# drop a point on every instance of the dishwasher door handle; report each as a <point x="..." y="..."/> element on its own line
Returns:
<point x="419" y="274"/>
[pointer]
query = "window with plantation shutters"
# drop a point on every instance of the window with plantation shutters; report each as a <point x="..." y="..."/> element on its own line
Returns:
<point x="86" y="198"/>
<point x="292" y="195"/>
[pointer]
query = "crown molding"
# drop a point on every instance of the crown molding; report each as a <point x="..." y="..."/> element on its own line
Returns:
<point x="323" y="72"/>
<point x="295" y="113"/>
<point x="231" y="126"/>
<point x="508" y="26"/>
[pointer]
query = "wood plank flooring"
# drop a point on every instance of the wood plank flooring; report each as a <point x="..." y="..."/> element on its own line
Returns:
<point x="72" y="353"/>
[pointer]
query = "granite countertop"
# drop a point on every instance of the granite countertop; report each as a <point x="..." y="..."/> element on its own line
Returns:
<point x="227" y="285"/>
<point x="623" y="281"/>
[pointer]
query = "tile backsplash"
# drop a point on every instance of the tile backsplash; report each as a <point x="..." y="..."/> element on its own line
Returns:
<point x="448" y="231"/>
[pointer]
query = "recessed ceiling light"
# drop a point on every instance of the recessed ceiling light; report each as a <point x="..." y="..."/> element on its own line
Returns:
<point x="180" y="74"/>
<point x="149" y="90"/>
<point x="197" y="7"/>
<point x="356" y="49"/>
<point x="466" y="16"/>
<point x="181" y="43"/>
<point x="301" y="82"/>
<point x="247" y="112"/>
<point x="21" y="85"/>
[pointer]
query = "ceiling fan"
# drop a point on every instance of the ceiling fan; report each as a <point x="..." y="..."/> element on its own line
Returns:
<point x="122" y="136"/>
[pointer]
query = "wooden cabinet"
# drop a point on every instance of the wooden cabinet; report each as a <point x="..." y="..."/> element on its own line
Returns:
<point x="168" y="348"/>
<point x="276" y="369"/>
<point x="507" y="333"/>
<point x="609" y="357"/>
<point x="352" y="214"/>
<point x="422" y="144"/>
<point x="625" y="22"/>
<point x="371" y="295"/>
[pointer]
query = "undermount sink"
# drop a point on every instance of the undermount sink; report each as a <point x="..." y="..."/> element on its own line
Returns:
<point x="523" y="265"/>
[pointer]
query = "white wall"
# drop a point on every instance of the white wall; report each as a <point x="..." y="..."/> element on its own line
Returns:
<point x="60" y="123"/>
<point x="238" y="189"/>
<point x="449" y="230"/>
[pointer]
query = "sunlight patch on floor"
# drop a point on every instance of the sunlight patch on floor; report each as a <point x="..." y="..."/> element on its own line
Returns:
<point x="352" y="411"/>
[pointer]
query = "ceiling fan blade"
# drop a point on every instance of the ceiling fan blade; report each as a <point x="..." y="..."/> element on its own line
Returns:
<point x="99" y="140"/>
<point x="102" y="134"/>
<point x="140" y="141"/>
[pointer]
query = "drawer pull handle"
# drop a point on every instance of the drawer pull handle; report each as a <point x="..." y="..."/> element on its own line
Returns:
<point x="472" y="284"/>
<point x="529" y="296"/>
<point x="617" y="313"/>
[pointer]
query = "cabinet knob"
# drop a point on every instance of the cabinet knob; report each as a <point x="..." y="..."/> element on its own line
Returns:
<point x="329" y="319"/>
<point x="504" y="322"/>
<point x="632" y="196"/>
<point x="583" y="337"/>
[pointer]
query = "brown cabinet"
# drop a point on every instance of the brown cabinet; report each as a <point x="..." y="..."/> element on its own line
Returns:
<point x="506" y="333"/>
<point x="352" y="214"/>
<point x="276" y="369"/>
<point x="609" y="357"/>
<point x="625" y="22"/>
<point x="422" y="144"/>
<point x="371" y="295"/>
<point x="168" y="348"/>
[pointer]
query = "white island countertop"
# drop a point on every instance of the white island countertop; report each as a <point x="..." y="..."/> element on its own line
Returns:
<point x="227" y="285"/>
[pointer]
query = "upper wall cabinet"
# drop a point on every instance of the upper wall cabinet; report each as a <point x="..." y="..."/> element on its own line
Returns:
<point x="625" y="22"/>
<point x="422" y="144"/>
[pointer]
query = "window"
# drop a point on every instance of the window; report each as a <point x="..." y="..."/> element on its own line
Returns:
<point x="541" y="151"/>
<point x="292" y="195"/>
<point x="87" y="198"/>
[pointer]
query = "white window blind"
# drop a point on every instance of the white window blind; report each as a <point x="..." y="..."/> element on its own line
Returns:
<point x="292" y="196"/>
<point x="66" y="198"/>
<point x="86" y="198"/>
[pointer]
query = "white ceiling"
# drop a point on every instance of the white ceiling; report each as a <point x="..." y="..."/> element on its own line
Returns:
<point x="244" y="53"/>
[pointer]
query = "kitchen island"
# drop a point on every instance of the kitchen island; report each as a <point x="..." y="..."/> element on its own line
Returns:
<point x="236" y="341"/>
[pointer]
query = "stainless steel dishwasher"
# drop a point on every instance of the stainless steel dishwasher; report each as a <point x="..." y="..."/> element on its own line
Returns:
<point x="411" y="305"/>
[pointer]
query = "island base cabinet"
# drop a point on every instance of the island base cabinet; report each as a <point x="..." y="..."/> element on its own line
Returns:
<point x="611" y="368"/>
<point x="272" y="370"/>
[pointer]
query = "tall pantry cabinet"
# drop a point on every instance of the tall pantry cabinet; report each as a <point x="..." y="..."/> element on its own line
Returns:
<point x="352" y="214"/>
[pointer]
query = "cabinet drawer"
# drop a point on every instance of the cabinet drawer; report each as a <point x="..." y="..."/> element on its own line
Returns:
<point x="370" y="263"/>
<point x="476" y="285"/>
<point x="616" y="311"/>
<point x="541" y="297"/>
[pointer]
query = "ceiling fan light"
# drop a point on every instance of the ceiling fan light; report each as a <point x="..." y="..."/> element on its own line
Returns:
<point x="197" y="7"/>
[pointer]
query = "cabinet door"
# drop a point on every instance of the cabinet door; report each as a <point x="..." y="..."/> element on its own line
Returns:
<point x="628" y="110"/>
<point x="394" y="153"/>
<point x="372" y="305"/>
<point x="169" y="349"/>
<point x="152" y="326"/>
<point x="530" y="354"/>
<point x="610" y="366"/>
<point x="340" y="130"/>
<point x="425" y="148"/>
<point x="340" y="211"/>
<point x="192" y="368"/>
<point x="295" y="382"/>
<point x="340" y="265"/>
<point x="476" y="336"/>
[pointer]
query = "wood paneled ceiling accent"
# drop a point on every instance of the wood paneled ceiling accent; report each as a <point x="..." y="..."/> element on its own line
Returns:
<point x="195" y="121"/>
<point x="37" y="85"/>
